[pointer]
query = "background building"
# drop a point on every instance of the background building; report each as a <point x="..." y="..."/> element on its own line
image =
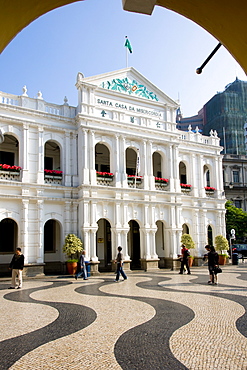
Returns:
<point x="114" y="170"/>
<point x="226" y="113"/>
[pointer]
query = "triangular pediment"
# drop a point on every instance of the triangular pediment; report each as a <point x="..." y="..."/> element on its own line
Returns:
<point x="130" y="82"/>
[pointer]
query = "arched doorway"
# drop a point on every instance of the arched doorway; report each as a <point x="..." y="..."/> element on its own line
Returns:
<point x="9" y="236"/>
<point x="104" y="245"/>
<point x="134" y="245"/>
<point x="52" y="247"/>
<point x="186" y="229"/>
<point x="210" y="235"/>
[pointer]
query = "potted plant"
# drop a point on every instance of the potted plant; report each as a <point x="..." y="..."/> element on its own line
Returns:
<point x="72" y="246"/>
<point x="187" y="240"/>
<point x="221" y="244"/>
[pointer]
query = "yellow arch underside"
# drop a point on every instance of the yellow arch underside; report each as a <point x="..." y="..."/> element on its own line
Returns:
<point x="224" y="19"/>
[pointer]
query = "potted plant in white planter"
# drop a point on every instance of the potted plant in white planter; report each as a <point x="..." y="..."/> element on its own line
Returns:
<point x="187" y="240"/>
<point x="221" y="244"/>
<point x="72" y="247"/>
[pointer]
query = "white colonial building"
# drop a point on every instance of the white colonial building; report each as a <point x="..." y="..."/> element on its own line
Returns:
<point x="114" y="170"/>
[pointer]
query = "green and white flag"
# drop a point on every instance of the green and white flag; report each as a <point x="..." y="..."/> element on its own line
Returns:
<point x="127" y="44"/>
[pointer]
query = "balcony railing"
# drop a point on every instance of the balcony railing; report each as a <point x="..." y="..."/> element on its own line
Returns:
<point x="53" y="177"/>
<point x="186" y="188"/>
<point x="8" y="172"/>
<point x="104" y="178"/>
<point x="161" y="183"/>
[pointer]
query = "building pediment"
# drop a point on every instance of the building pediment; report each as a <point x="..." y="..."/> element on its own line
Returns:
<point x="130" y="82"/>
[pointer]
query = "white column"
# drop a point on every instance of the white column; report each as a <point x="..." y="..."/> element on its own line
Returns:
<point x="41" y="154"/>
<point x="67" y="218"/>
<point x="146" y="247"/>
<point x="144" y="164"/>
<point x="152" y="244"/>
<point x="83" y="157"/>
<point x="25" y="154"/>
<point x="202" y="184"/>
<point x="116" y="163"/>
<point x="91" y="158"/>
<point x="40" y="247"/>
<point x="66" y="160"/>
<point x="24" y="230"/>
<point x="170" y="171"/>
<point x="122" y="162"/>
<point x="93" y="255"/>
<point x="175" y="163"/>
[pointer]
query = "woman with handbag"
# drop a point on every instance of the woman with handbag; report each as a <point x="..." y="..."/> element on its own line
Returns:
<point x="213" y="262"/>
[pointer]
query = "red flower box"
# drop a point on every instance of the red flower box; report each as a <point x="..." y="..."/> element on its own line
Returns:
<point x="7" y="167"/>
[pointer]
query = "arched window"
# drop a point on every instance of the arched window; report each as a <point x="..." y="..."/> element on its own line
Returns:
<point x="52" y="156"/>
<point x="186" y="229"/>
<point x="207" y="175"/>
<point x="9" y="234"/>
<point x="9" y="151"/>
<point x="102" y="158"/>
<point x="131" y="161"/>
<point x="182" y="173"/>
<point x="157" y="164"/>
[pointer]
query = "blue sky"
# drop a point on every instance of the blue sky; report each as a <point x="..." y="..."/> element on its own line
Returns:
<point x="89" y="37"/>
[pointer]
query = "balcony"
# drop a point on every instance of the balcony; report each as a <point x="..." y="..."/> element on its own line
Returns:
<point x="186" y="188"/>
<point x="161" y="183"/>
<point x="134" y="181"/>
<point x="53" y="177"/>
<point x="209" y="191"/>
<point x="104" y="178"/>
<point x="8" y="172"/>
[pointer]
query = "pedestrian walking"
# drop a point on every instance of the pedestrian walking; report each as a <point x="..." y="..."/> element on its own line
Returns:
<point x="119" y="261"/>
<point x="82" y="266"/>
<point x="213" y="262"/>
<point x="184" y="260"/>
<point x="16" y="265"/>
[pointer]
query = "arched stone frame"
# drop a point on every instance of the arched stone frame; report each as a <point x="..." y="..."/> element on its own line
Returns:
<point x="213" y="232"/>
<point x="56" y="254"/>
<point x="108" y="152"/>
<point x="12" y="131"/>
<point x="185" y="228"/>
<point x="210" y="236"/>
<point x="53" y="148"/>
<point x="207" y="175"/>
<point x="104" y="237"/>
<point x="183" y="172"/>
<point x="135" y="254"/>
<point x="59" y="255"/>
<point x="6" y="239"/>
<point x="157" y="164"/>
<point x="131" y="154"/>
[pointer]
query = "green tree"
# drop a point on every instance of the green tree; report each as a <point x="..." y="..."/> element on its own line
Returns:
<point x="72" y="245"/>
<point x="221" y="243"/>
<point x="187" y="240"/>
<point x="236" y="219"/>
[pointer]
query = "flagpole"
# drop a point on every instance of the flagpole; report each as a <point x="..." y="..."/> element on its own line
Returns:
<point x="126" y="57"/>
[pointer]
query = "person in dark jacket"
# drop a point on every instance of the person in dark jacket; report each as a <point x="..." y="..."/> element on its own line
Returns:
<point x="119" y="262"/>
<point x="184" y="260"/>
<point x="213" y="261"/>
<point x="16" y="265"/>
<point x="83" y="270"/>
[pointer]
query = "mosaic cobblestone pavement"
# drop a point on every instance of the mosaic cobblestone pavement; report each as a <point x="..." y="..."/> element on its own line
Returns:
<point x="159" y="320"/>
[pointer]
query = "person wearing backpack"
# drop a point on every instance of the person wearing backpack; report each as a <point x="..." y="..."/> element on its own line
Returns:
<point x="184" y="260"/>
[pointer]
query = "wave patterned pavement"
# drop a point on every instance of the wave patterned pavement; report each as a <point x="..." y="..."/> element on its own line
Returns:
<point x="160" y="320"/>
